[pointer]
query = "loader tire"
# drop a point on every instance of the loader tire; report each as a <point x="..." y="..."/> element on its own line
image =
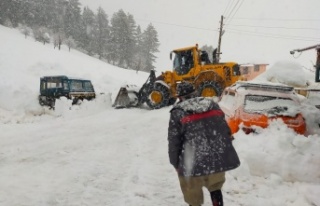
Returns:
<point x="209" y="89"/>
<point x="158" y="97"/>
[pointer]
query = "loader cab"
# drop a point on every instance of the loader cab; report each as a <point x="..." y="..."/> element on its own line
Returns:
<point x="182" y="61"/>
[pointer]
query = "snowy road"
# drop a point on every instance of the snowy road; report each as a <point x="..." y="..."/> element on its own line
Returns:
<point x="119" y="157"/>
<point x="95" y="155"/>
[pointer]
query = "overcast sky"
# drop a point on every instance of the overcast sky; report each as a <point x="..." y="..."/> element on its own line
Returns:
<point x="261" y="31"/>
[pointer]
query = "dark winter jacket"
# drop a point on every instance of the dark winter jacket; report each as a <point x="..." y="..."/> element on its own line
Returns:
<point x="200" y="139"/>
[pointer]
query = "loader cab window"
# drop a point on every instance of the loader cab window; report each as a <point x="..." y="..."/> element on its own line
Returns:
<point x="177" y="62"/>
<point x="236" y="70"/>
<point x="88" y="86"/>
<point x="183" y="62"/>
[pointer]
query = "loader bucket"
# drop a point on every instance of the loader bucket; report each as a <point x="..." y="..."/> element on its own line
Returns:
<point x="126" y="98"/>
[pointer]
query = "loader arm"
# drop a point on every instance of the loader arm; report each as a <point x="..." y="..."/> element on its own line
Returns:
<point x="130" y="96"/>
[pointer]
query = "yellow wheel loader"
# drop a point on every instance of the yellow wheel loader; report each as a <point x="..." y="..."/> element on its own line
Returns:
<point x="189" y="64"/>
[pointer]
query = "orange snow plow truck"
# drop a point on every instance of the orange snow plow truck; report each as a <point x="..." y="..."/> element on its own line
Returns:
<point x="189" y="64"/>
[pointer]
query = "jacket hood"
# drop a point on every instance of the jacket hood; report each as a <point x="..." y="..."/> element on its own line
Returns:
<point x="197" y="105"/>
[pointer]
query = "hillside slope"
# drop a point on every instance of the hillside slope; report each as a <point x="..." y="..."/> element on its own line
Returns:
<point x="23" y="61"/>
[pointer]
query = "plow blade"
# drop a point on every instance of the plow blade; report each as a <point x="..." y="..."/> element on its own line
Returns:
<point x="126" y="97"/>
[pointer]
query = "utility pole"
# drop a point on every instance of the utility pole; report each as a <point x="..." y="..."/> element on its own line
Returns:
<point x="220" y="35"/>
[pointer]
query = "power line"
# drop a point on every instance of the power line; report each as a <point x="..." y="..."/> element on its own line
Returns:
<point x="227" y="7"/>
<point x="179" y="25"/>
<point x="273" y="27"/>
<point x="274" y="35"/>
<point x="235" y="12"/>
<point x="233" y="8"/>
<point x="274" y="19"/>
<point x="267" y="35"/>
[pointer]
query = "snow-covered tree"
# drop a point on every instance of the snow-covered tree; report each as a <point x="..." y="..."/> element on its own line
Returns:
<point x="58" y="39"/>
<point x="72" y="19"/>
<point x="57" y="22"/>
<point x="86" y="40"/>
<point x="25" y="30"/>
<point x="41" y="34"/>
<point x="101" y="32"/>
<point x="150" y="45"/>
<point x="121" y="42"/>
<point x="9" y="12"/>
<point x="70" y="43"/>
<point x="139" y="56"/>
<point x="122" y="39"/>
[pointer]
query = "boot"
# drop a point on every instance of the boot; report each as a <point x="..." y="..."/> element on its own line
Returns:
<point x="216" y="197"/>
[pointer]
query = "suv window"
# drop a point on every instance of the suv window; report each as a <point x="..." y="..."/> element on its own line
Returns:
<point x="76" y="86"/>
<point x="88" y="86"/>
<point x="54" y="85"/>
<point x="65" y="85"/>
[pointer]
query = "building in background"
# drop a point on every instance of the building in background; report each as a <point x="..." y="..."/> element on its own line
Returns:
<point x="250" y="71"/>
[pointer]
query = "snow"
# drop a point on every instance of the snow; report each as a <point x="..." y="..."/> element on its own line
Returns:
<point x="93" y="154"/>
<point x="292" y="74"/>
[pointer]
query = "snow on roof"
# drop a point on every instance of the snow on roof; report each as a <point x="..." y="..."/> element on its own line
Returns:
<point x="285" y="72"/>
<point x="252" y="64"/>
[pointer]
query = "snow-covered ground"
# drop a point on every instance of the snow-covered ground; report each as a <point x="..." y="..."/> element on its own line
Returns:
<point x="93" y="154"/>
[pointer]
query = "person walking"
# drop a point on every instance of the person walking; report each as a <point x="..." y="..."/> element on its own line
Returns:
<point x="200" y="146"/>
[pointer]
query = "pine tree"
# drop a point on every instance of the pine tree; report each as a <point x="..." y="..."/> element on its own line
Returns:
<point x="27" y="12"/>
<point x="57" y="23"/>
<point x="72" y="19"/>
<point x="122" y="39"/>
<point x="86" y="31"/>
<point x="40" y="13"/>
<point x="41" y="34"/>
<point x="70" y="43"/>
<point x="9" y="12"/>
<point x="139" y="60"/>
<point x="101" y="33"/>
<point x="150" y="44"/>
<point x="122" y="43"/>
<point x="132" y="39"/>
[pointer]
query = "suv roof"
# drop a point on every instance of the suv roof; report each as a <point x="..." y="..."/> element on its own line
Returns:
<point x="263" y="86"/>
<point x="62" y="77"/>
